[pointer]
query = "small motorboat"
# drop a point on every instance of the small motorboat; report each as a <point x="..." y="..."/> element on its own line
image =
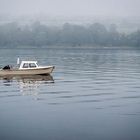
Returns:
<point x="26" y="68"/>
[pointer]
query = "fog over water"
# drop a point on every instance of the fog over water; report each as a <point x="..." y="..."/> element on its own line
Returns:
<point x="94" y="90"/>
<point x="71" y="7"/>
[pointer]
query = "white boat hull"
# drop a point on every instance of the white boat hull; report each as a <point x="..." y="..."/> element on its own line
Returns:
<point x="36" y="71"/>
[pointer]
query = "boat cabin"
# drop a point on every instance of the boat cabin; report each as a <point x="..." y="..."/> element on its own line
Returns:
<point x="28" y="65"/>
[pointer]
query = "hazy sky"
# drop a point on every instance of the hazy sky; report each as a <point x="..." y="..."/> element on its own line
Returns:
<point x="71" y="7"/>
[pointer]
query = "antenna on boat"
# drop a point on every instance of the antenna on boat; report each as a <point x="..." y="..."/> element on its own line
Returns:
<point x="18" y="61"/>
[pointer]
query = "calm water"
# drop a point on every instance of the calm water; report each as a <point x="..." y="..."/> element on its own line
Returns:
<point x="92" y="94"/>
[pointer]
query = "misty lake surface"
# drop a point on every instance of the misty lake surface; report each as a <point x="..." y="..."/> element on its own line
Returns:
<point x="93" y="94"/>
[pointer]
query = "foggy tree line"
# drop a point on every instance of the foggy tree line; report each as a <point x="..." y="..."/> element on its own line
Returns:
<point x="42" y="35"/>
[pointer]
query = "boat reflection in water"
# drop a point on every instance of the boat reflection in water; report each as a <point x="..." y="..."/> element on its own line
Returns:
<point x="28" y="85"/>
<point x="28" y="78"/>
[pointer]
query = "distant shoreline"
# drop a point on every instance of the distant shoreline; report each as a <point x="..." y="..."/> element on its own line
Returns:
<point x="37" y="34"/>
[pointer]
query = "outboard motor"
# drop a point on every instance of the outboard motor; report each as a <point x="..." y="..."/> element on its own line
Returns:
<point x="6" y="67"/>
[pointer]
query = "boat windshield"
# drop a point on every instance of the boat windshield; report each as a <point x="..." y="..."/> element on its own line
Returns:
<point x="25" y="65"/>
<point x="32" y="65"/>
<point x="29" y="65"/>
